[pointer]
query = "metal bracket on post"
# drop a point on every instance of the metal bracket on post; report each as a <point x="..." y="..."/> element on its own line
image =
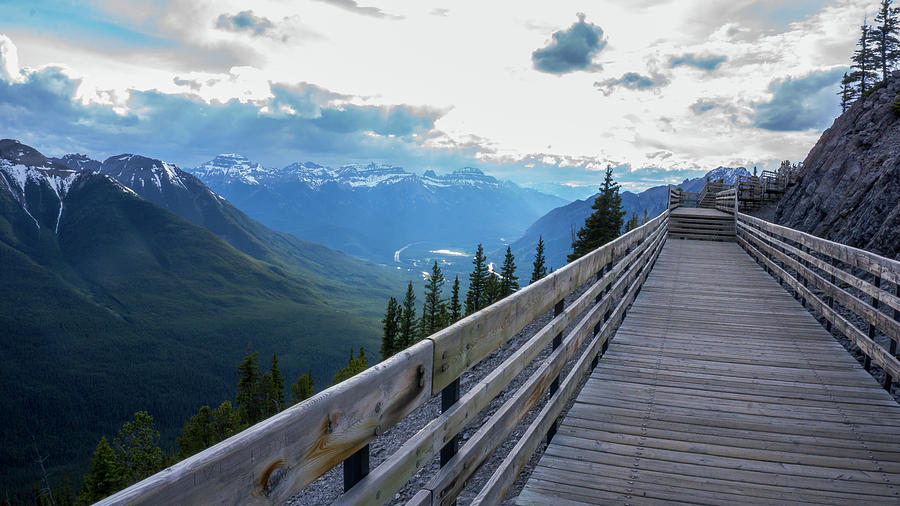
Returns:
<point x="356" y="467"/>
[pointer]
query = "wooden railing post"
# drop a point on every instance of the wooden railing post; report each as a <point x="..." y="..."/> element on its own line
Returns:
<point x="597" y="325"/>
<point x="356" y="467"/>
<point x="449" y="397"/>
<point x="554" y="386"/>
<point x="830" y="298"/>
<point x="893" y="347"/>
<point x="868" y="362"/>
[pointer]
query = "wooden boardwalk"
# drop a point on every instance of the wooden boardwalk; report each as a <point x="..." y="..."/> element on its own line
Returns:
<point x="719" y="388"/>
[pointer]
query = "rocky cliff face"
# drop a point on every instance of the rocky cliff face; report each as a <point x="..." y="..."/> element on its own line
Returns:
<point x="849" y="186"/>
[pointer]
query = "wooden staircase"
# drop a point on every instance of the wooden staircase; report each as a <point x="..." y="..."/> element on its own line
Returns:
<point x="701" y="223"/>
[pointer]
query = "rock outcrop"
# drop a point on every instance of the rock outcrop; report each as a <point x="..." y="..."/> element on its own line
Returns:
<point x="848" y="190"/>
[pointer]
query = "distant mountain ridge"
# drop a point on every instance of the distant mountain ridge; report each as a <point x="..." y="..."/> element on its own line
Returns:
<point x="557" y="226"/>
<point x="372" y="210"/>
<point x="111" y="303"/>
<point x="848" y="189"/>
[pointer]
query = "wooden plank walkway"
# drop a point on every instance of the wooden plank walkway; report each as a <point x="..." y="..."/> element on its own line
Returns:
<point x="720" y="388"/>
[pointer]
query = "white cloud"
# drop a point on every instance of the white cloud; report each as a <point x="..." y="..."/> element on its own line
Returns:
<point x="474" y="61"/>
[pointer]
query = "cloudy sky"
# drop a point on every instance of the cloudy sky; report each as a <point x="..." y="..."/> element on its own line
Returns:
<point x="542" y="93"/>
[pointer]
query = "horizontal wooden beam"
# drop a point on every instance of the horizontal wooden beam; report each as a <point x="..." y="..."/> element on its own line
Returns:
<point x="274" y="459"/>
<point x="467" y="342"/>
<point x="880" y="356"/>
<point x="885" y="268"/>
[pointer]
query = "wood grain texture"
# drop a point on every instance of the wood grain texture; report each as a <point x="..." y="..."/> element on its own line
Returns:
<point x="271" y="461"/>
<point x="719" y="388"/>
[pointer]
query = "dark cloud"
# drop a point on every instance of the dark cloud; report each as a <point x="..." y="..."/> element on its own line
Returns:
<point x="244" y="21"/>
<point x="571" y="49"/>
<point x="802" y="103"/>
<point x="44" y="112"/>
<point x="354" y="7"/>
<point x="707" y="63"/>
<point x="632" y="81"/>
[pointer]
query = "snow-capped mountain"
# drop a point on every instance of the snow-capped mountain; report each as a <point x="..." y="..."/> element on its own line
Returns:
<point x="39" y="184"/>
<point x="728" y="174"/>
<point x="373" y="209"/>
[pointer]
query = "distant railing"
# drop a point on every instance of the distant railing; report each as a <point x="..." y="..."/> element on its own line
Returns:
<point x="726" y="201"/>
<point x="840" y="272"/>
<point x="277" y="458"/>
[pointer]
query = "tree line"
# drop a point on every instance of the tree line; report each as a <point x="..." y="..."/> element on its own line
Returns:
<point x="877" y="53"/>
<point x="402" y="327"/>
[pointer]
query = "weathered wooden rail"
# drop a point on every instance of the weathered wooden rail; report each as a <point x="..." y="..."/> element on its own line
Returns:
<point x="802" y="261"/>
<point x="275" y="459"/>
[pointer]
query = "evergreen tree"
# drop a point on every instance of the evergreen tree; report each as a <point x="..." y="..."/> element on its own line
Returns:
<point x="455" y="307"/>
<point x="138" y="454"/>
<point x="540" y="269"/>
<point x="354" y="367"/>
<point x="645" y="219"/>
<point x="304" y="387"/>
<point x="848" y="92"/>
<point x="476" y="297"/>
<point x="390" y="338"/>
<point x="407" y="320"/>
<point x="226" y="421"/>
<point x="67" y="494"/>
<point x="604" y="224"/>
<point x="198" y="434"/>
<point x="247" y="400"/>
<point x="492" y="290"/>
<point x="277" y="383"/>
<point x="886" y="46"/>
<point x="509" y="282"/>
<point x="267" y="398"/>
<point x="865" y="61"/>
<point x="434" y="303"/>
<point x="104" y="478"/>
<point x="632" y="223"/>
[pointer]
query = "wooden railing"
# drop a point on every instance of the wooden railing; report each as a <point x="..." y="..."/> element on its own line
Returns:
<point x="674" y="199"/>
<point x="727" y="200"/>
<point x="844" y="276"/>
<point x="277" y="458"/>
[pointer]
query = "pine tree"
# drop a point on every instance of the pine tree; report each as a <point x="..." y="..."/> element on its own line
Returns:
<point x="226" y="421"/>
<point x="138" y="454"/>
<point x="304" y="387"/>
<point x="434" y="303"/>
<point x="604" y="224"/>
<point x="645" y="219"/>
<point x="67" y="495"/>
<point x="267" y="402"/>
<point x="509" y="282"/>
<point x="491" y="290"/>
<point x="277" y="383"/>
<point x="198" y="434"/>
<point x="886" y="46"/>
<point x="632" y="223"/>
<point x="247" y="399"/>
<point x="104" y="478"/>
<point x="540" y="269"/>
<point x="354" y="367"/>
<point x="455" y="307"/>
<point x="408" y="320"/>
<point x="865" y="61"/>
<point x="848" y="92"/>
<point x="476" y="297"/>
<point x="391" y="329"/>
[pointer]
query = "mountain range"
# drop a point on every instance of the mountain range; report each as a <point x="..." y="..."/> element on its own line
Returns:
<point x="558" y="226"/>
<point x="129" y="285"/>
<point x="373" y="210"/>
